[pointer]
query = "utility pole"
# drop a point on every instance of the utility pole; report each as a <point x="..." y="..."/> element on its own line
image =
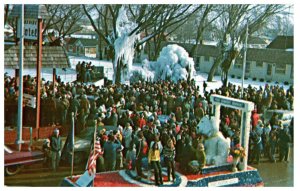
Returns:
<point x="19" y="140"/>
<point x="244" y="61"/>
<point x="39" y="72"/>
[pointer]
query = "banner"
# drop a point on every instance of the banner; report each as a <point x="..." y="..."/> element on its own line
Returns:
<point x="29" y="100"/>
<point x="30" y="29"/>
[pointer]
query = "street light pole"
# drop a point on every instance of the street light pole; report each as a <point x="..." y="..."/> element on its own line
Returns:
<point x="244" y="61"/>
<point x="19" y="140"/>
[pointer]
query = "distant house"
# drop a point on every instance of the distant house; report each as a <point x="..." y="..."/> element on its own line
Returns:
<point x="282" y="42"/>
<point x="267" y="64"/>
<point x="262" y="63"/>
<point x="82" y="47"/>
<point x="256" y="42"/>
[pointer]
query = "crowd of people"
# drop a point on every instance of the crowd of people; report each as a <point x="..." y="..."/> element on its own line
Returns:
<point x="135" y="111"/>
<point x="86" y="72"/>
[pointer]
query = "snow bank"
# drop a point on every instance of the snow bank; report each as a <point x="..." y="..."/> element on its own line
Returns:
<point x="173" y="63"/>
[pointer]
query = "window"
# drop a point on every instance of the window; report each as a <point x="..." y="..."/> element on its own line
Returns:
<point x="206" y="58"/>
<point x="259" y="64"/>
<point x="280" y="69"/>
<point x="238" y="65"/>
<point x="70" y="48"/>
<point x="248" y="67"/>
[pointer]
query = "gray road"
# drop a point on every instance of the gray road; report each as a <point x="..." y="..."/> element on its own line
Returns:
<point x="278" y="174"/>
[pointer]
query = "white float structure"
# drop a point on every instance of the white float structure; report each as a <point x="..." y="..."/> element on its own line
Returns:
<point x="247" y="107"/>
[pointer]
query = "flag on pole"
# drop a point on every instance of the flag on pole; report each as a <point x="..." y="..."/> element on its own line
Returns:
<point x="94" y="154"/>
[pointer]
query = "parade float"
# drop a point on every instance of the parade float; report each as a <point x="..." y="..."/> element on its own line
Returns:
<point x="221" y="170"/>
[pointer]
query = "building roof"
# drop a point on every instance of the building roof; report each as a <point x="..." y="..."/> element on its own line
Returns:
<point x="70" y="41"/>
<point x="256" y="40"/>
<point x="282" y="42"/>
<point x="30" y="11"/>
<point x="87" y="42"/>
<point x="202" y="50"/>
<point x="53" y="57"/>
<point x="270" y="55"/>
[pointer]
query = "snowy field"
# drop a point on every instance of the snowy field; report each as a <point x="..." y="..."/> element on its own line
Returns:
<point x="70" y="74"/>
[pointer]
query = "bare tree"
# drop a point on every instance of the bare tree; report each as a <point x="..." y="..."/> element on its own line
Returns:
<point x="208" y="14"/>
<point x="63" y="20"/>
<point x="234" y="22"/>
<point x="154" y="20"/>
<point x="6" y="9"/>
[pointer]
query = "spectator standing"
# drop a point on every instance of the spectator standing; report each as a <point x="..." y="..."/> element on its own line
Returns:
<point x="154" y="161"/>
<point x="56" y="146"/>
<point x="110" y="152"/>
<point x="140" y="144"/>
<point x="169" y="156"/>
<point x="284" y="138"/>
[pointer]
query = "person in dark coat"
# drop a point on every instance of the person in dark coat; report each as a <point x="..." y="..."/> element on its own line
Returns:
<point x="56" y="146"/>
<point x="110" y="152"/>
<point x="140" y="144"/>
<point x="284" y="138"/>
<point x="188" y="154"/>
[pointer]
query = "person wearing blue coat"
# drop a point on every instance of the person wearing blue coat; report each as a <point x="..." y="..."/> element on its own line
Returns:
<point x="110" y="152"/>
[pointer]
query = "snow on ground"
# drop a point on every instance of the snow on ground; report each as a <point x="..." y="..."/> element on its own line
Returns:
<point x="70" y="74"/>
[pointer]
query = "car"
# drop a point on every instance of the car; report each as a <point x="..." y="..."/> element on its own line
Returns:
<point x="285" y="116"/>
<point x="14" y="161"/>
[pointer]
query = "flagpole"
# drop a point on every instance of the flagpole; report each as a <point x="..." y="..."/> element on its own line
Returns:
<point x="19" y="140"/>
<point x="244" y="61"/>
<point x="73" y="141"/>
<point x="95" y="132"/>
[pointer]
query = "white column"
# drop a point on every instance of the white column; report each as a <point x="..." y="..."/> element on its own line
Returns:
<point x="244" y="137"/>
<point x="217" y="108"/>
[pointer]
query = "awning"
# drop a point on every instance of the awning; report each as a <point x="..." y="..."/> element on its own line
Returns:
<point x="52" y="57"/>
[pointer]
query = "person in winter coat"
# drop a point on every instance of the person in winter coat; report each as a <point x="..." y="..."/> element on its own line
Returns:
<point x="169" y="156"/>
<point x="56" y="146"/>
<point x="272" y="145"/>
<point x="65" y="106"/>
<point x="130" y="157"/>
<point x="110" y="152"/>
<point x="284" y="138"/>
<point x="127" y="137"/>
<point x="140" y="144"/>
<point x="84" y="110"/>
<point x="154" y="161"/>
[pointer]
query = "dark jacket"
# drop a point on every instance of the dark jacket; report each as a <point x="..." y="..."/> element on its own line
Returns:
<point x="110" y="150"/>
<point x="55" y="143"/>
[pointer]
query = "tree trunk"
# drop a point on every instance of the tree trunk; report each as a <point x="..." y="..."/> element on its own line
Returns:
<point x="100" y="49"/>
<point x="213" y="69"/>
<point x="6" y="13"/>
<point x="118" y="72"/>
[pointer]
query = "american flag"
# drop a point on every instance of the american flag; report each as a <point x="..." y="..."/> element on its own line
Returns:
<point x="96" y="150"/>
